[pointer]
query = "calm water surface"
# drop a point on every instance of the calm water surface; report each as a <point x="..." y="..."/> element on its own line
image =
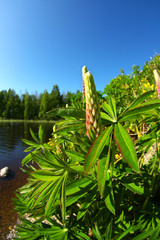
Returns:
<point x="11" y="154"/>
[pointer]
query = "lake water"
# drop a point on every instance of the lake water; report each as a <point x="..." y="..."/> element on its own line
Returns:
<point x="11" y="154"/>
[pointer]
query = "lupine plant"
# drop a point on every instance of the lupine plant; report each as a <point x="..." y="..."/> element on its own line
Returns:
<point x="84" y="191"/>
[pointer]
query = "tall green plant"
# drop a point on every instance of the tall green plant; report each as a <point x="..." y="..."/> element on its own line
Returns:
<point x="82" y="192"/>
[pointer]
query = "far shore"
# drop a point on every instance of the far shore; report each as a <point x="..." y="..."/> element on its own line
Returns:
<point x="22" y="120"/>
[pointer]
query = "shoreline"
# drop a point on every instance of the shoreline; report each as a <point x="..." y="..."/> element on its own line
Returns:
<point x="30" y="121"/>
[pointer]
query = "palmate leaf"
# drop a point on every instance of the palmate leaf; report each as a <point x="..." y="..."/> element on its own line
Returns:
<point x="126" y="147"/>
<point x="108" y="109"/>
<point x="69" y="112"/>
<point x="44" y="190"/>
<point x="96" y="149"/>
<point x="139" y="100"/>
<point x="29" y="230"/>
<point x="140" y="109"/>
<point x="53" y="196"/>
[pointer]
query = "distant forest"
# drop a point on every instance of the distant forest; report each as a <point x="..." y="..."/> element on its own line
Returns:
<point x="26" y="106"/>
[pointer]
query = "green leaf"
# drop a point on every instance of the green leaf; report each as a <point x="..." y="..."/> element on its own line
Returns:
<point x="71" y="127"/>
<point x="46" y="189"/>
<point x="108" y="195"/>
<point x="69" y="112"/>
<point x="108" y="233"/>
<point x="75" y="156"/>
<point x="96" y="233"/>
<point x="134" y="188"/>
<point x="53" y="196"/>
<point x="87" y="201"/>
<point x="28" y="142"/>
<point x="81" y="236"/>
<point x="107" y="117"/>
<point x="46" y="175"/>
<point x="103" y="165"/>
<point x="96" y="149"/>
<point x="33" y="135"/>
<point x="27" y="159"/>
<point x="45" y="162"/>
<point x="112" y="104"/>
<point x="83" y="191"/>
<point x="108" y="109"/>
<point x="40" y="133"/>
<point x="63" y="199"/>
<point x="125" y="233"/>
<point x="141" y="109"/>
<point x="140" y="99"/>
<point x="77" y="185"/>
<point x="145" y="235"/>
<point x="126" y="147"/>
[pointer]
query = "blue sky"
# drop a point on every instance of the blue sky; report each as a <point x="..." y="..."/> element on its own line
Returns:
<point x="47" y="42"/>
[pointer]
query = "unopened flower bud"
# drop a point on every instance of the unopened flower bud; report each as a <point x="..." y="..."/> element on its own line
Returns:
<point x="93" y="119"/>
<point x="157" y="79"/>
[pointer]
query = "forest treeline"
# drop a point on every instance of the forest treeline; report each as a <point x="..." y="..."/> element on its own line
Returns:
<point x="26" y="106"/>
<point x="124" y="88"/>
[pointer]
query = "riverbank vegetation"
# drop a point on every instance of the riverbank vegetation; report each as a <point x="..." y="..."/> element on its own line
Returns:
<point x="26" y="106"/>
<point x="92" y="180"/>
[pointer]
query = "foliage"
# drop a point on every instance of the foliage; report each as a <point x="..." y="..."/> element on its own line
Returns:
<point x="26" y="106"/>
<point x="88" y="186"/>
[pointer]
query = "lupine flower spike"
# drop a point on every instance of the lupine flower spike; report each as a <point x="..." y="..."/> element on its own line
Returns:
<point x="84" y="70"/>
<point x="93" y="119"/>
<point x="157" y="79"/>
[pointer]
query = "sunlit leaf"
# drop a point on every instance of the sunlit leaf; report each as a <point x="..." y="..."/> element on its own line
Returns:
<point x="53" y="196"/>
<point x="46" y="175"/>
<point x="126" y="147"/>
<point x="140" y="109"/>
<point x="96" y="149"/>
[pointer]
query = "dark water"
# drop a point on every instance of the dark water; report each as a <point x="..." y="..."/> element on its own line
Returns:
<point x="11" y="155"/>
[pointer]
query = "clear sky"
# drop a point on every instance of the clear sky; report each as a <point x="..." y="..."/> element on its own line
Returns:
<point x="47" y="42"/>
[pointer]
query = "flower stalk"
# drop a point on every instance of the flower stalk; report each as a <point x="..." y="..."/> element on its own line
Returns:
<point x="93" y="119"/>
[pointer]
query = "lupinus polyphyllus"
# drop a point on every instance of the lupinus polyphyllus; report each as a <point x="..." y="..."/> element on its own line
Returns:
<point x="84" y="70"/>
<point x="157" y="79"/>
<point x="93" y="119"/>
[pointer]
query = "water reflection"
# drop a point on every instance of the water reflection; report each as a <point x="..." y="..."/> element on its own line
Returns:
<point x="11" y="155"/>
<point x="11" y="144"/>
